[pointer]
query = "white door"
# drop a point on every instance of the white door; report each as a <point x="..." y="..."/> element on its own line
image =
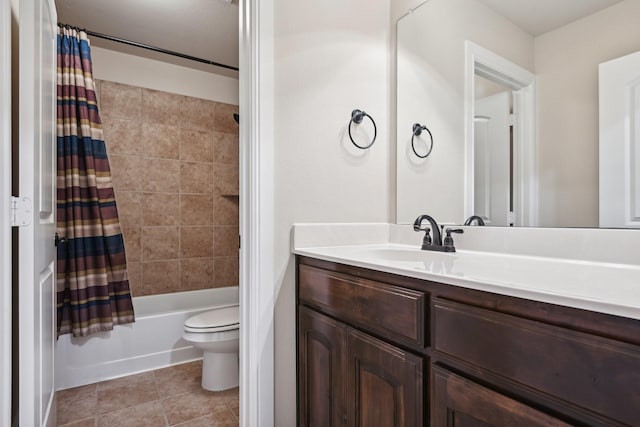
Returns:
<point x="491" y="142"/>
<point x="620" y="142"/>
<point x="37" y="183"/>
<point x="5" y="206"/>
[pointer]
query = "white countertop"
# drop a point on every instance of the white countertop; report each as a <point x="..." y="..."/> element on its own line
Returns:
<point x="597" y="286"/>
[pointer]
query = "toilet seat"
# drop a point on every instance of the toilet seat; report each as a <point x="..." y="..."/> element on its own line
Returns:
<point x="218" y="320"/>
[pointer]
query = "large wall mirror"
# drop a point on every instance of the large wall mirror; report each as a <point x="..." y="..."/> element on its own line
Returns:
<point x="509" y="93"/>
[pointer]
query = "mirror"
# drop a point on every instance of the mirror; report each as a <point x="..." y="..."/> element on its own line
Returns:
<point x="539" y="59"/>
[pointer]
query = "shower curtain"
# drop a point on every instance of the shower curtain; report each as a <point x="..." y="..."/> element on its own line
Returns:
<point x="92" y="284"/>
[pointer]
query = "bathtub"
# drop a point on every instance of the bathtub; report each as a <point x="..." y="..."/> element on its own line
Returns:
<point x="153" y="341"/>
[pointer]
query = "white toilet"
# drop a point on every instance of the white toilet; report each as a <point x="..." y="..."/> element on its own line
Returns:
<point x="217" y="334"/>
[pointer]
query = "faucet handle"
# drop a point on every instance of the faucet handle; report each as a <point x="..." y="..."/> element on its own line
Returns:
<point x="448" y="240"/>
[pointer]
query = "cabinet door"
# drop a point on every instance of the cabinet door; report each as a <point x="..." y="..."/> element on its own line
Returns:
<point x="384" y="384"/>
<point x="321" y="386"/>
<point x="458" y="402"/>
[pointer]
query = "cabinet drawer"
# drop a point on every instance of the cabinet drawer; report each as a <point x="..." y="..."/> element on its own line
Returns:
<point x="595" y="373"/>
<point x="391" y="311"/>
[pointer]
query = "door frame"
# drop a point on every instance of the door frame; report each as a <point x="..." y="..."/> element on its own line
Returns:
<point x="488" y="64"/>
<point x="257" y="278"/>
<point x="5" y="209"/>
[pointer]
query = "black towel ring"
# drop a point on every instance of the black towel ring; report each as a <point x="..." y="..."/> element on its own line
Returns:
<point x="417" y="131"/>
<point x="356" y="117"/>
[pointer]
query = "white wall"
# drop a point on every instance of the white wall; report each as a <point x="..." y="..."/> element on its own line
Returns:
<point x="329" y="58"/>
<point x="151" y="74"/>
<point x="566" y="65"/>
<point x="431" y="91"/>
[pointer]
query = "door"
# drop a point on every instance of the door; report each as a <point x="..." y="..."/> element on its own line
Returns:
<point x="37" y="127"/>
<point x="620" y="142"/>
<point x="492" y="158"/>
<point x="321" y="387"/>
<point x="458" y="402"/>
<point x="5" y="206"/>
<point x="384" y="384"/>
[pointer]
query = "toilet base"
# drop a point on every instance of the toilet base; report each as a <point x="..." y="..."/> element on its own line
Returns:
<point x="220" y="371"/>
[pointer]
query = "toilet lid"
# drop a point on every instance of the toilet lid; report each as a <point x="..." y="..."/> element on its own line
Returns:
<point x="224" y="318"/>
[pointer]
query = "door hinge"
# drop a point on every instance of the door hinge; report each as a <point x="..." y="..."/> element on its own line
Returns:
<point x="21" y="208"/>
<point x="513" y="118"/>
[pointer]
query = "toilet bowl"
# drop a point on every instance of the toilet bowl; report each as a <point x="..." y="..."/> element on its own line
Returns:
<point x="217" y="334"/>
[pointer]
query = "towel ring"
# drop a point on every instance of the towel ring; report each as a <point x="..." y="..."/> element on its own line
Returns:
<point x="356" y="117"/>
<point x="417" y="131"/>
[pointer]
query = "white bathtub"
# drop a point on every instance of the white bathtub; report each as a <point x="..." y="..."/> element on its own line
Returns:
<point x="153" y="341"/>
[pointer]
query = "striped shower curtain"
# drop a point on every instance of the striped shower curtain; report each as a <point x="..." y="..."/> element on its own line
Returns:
<point x="92" y="284"/>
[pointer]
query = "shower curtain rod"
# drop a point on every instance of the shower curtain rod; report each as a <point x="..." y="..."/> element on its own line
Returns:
<point x="152" y="48"/>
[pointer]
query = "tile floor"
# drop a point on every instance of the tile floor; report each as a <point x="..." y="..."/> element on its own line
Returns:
<point x="165" y="397"/>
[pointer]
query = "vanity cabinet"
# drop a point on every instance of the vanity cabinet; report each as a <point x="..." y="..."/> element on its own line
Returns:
<point x="346" y="376"/>
<point x="377" y="349"/>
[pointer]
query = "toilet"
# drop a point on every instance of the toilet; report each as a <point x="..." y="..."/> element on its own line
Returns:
<point x="216" y="333"/>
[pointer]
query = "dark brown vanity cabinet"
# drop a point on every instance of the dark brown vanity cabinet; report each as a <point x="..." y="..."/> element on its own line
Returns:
<point x="376" y="349"/>
<point x="347" y="376"/>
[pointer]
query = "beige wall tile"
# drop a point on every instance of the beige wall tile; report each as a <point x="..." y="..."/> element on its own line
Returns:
<point x="197" y="114"/>
<point x="161" y="140"/>
<point x="162" y="148"/>
<point x="196" y="242"/>
<point x="120" y="100"/>
<point x="149" y="414"/>
<point x="225" y="240"/>
<point x="226" y="210"/>
<point x="161" y="107"/>
<point x="224" y="118"/>
<point x="196" y="145"/>
<point x="160" y="209"/>
<point x="98" y="84"/>
<point x="196" y="209"/>
<point x="197" y="273"/>
<point x="125" y="172"/>
<point x="226" y="270"/>
<point x="133" y="243"/>
<point x="160" y="175"/>
<point x="226" y="148"/>
<point x="129" y="204"/>
<point x="196" y="177"/>
<point x="122" y="136"/>
<point x="160" y="243"/>
<point x="225" y="179"/>
<point x="160" y="277"/>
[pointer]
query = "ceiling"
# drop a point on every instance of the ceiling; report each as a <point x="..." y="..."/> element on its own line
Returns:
<point x="205" y="29"/>
<point x="540" y="16"/>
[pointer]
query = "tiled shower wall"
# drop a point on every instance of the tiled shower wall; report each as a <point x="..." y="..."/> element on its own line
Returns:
<point x="174" y="163"/>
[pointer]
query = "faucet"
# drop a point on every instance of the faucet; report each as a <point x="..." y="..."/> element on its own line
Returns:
<point x="477" y="218"/>
<point x="435" y="244"/>
<point x="427" y="242"/>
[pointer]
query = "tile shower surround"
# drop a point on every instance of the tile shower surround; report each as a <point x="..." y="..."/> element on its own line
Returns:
<point x="174" y="163"/>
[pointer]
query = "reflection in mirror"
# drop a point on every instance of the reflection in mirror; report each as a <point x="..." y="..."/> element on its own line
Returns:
<point x="493" y="152"/>
<point x="500" y="145"/>
<point x="561" y="43"/>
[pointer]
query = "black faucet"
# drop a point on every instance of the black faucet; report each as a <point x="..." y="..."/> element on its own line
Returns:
<point x="427" y="241"/>
<point x="476" y="218"/>
<point x="435" y="244"/>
